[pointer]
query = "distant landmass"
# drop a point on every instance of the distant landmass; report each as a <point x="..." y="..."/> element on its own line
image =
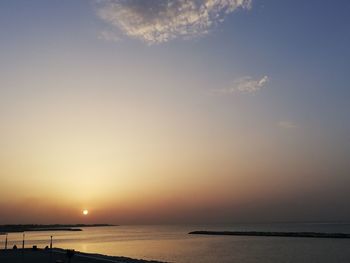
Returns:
<point x="56" y="227"/>
<point x="272" y="234"/>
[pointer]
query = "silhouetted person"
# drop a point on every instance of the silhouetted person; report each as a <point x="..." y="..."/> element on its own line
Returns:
<point x="14" y="247"/>
<point x="70" y="253"/>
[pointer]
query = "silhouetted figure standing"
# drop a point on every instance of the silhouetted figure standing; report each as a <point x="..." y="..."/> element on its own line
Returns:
<point x="70" y="253"/>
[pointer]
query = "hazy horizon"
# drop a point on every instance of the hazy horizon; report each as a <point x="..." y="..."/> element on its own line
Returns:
<point x="147" y="112"/>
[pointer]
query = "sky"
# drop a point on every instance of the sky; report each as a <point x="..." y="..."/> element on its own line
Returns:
<point x="174" y="111"/>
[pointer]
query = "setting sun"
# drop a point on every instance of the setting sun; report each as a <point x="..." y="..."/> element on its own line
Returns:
<point x="174" y="131"/>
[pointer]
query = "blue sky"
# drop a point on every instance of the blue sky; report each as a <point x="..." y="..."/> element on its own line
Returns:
<point x="237" y="85"/>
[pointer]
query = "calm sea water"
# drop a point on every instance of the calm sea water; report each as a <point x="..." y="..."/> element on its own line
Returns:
<point x="173" y="244"/>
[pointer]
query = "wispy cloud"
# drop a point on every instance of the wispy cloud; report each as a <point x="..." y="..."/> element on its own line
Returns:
<point x="157" y="21"/>
<point x="287" y="125"/>
<point x="250" y="85"/>
<point x="246" y="84"/>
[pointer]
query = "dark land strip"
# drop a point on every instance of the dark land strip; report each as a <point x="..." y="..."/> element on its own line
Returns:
<point x="61" y="255"/>
<point x="28" y="228"/>
<point x="271" y="234"/>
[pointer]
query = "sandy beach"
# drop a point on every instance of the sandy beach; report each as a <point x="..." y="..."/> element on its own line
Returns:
<point x="58" y="255"/>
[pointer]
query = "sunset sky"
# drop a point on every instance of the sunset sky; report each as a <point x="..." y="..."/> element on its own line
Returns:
<point x="174" y="111"/>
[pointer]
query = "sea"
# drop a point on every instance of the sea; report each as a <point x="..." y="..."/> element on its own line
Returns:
<point x="172" y="243"/>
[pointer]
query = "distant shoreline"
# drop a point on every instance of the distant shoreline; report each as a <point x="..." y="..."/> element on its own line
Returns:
<point x="4" y="229"/>
<point x="271" y="234"/>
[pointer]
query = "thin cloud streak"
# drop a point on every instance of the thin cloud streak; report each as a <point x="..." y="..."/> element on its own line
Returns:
<point x="245" y="85"/>
<point x="158" y="21"/>
<point x="250" y="85"/>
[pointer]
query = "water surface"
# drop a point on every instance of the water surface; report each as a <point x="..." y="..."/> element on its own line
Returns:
<point x="173" y="244"/>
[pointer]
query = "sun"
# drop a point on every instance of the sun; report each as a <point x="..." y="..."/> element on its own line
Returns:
<point x="85" y="212"/>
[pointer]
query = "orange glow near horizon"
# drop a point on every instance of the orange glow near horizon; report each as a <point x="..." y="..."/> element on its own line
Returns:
<point x="209" y="130"/>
